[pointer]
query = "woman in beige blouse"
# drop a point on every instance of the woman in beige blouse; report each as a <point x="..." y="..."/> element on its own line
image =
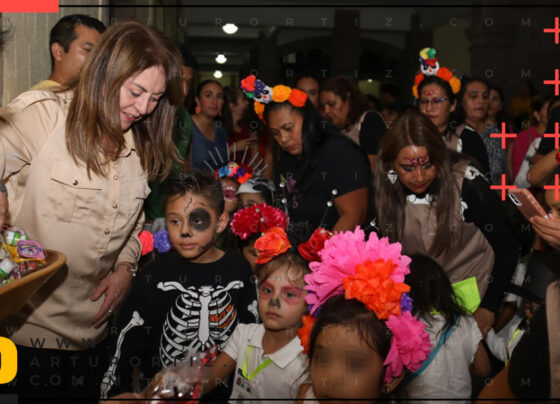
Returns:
<point x="76" y="165"/>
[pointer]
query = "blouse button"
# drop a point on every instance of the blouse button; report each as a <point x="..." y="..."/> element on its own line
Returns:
<point x="75" y="182"/>
<point x="115" y="177"/>
<point x="106" y="231"/>
<point x="115" y="206"/>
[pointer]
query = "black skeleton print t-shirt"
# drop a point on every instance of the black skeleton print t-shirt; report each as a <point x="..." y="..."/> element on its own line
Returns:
<point x="177" y="306"/>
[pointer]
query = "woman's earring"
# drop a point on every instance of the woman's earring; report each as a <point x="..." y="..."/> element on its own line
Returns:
<point x="392" y="176"/>
<point x="197" y="110"/>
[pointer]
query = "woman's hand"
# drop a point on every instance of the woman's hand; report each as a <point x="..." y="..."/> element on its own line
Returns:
<point x="3" y="208"/>
<point x="547" y="229"/>
<point x="114" y="287"/>
<point x="249" y="142"/>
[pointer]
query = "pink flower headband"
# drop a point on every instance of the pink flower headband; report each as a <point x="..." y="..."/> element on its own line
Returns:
<point x="263" y="94"/>
<point x="372" y="272"/>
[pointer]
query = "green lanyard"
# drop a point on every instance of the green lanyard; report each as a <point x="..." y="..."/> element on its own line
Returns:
<point x="257" y="370"/>
<point x="511" y="342"/>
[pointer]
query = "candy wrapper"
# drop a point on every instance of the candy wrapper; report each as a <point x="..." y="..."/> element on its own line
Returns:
<point x="179" y="383"/>
<point x="19" y="256"/>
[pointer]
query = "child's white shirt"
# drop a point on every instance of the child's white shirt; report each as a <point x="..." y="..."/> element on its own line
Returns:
<point x="447" y="376"/>
<point x="280" y="379"/>
<point x="502" y="342"/>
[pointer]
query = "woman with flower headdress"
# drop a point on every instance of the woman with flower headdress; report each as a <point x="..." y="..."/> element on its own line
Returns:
<point x="323" y="174"/>
<point x="437" y="204"/>
<point x="435" y="88"/>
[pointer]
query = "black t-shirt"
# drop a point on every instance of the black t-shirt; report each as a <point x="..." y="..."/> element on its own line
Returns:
<point x="529" y="368"/>
<point x="547" y="143"/>
<point x="176" y="306"/>
<point x="372" y="131"/>
<point x="341" y="166"/>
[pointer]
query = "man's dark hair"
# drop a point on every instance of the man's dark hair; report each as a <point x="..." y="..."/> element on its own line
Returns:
<point x="63" y="31"/>
<point x="188" y="58"/>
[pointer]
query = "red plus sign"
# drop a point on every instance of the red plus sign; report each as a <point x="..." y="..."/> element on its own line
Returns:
<point x="504" y="135"/>
<point x="554" y="30"/>
<point x="555" y="135"/>
<point x="503" y="187"/>
<point x="556" y="82"/>
<point x="555" y="187"/>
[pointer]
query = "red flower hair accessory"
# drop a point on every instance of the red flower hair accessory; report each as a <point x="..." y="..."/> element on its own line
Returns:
<point x="304" y="333"/>
<point x="256" y="219"/>
<point x="429" y="66"/>
<point x="310" y="249"/>
<point x="272" y="243"/>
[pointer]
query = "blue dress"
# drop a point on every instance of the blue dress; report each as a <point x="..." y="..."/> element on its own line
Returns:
<point x="203" y="149"/>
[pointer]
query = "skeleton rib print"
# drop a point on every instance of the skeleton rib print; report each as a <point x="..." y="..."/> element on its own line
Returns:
<point x="200" y="319"/>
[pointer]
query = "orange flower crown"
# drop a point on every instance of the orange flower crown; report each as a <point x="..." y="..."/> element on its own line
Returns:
<point x="272" y="243"/>
<point x="429" y="66"/>
<point x="262" y="94"/>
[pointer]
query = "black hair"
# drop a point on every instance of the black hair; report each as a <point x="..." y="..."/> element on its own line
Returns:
<point x="225" y="118"/>
<point x="198" y="182"/>
<point x="374" y="100"/>
<point x="188" y="58"/>
<point x="308" y="75"/>
<point x="314" y="132"/>
<point x="445" y="86"/>
<point x="63" y="31"/>
<point x="391" y="89"/>
<point x="352" y="313"/>
<point x="430" y="289"/>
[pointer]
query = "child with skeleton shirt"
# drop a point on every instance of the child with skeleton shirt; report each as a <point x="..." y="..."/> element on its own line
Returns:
<point x="188" y="299"/>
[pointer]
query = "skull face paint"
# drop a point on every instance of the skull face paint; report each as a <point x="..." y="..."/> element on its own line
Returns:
<point x="281" y="301"/>
<point x="191" y="224"/>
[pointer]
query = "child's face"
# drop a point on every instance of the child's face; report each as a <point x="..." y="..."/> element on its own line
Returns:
<point x="250" y="254"/>
<point x="250" y="199"/>
<point x="553" y="203"/>
<point x="192" y="225"/>
<point x="344" y="366"/>
<point x="281" y="302"/>
<point x="229" y="187"/>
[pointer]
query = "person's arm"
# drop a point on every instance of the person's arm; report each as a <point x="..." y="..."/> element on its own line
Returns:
<point x="541" y="170"/>
<point x="509" y="161"/>
<point x="548" y="230"/>
<point x="220" y="370"/>
<point x="134" y="324"/>
<point x="481" y="364"/>
<point x="352" y="209"/>
<point x="498" y="389"/>
<point x="486" y="212"/>
<point x="116" y="284"/>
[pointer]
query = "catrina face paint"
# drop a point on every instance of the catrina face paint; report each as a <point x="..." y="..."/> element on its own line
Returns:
<point x="281" y="301"/>
<point x="192" y="225"/>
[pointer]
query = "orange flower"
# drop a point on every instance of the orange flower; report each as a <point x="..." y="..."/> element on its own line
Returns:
<point x="372" y="285"/>
<point x="418" y="79"/>
<point x="298" y="98"/>
<point x="259" y="108"/>
<point x="273" y="242"/>
<point x="415" y="91"/>
<point x="280" y="93"/>
<point x="444" y="73"/>
<point x="455" y="84"/>
<point x="304" y="333"/>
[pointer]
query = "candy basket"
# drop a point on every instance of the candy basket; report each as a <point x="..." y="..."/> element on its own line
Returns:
<point x="14" y="295"/>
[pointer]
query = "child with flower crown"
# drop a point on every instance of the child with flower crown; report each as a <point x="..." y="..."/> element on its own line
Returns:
<point x="266" y="359"/>
<point x="249" y="223"/>
<point x="458" y="352"/>
<point x="361" y="334"/>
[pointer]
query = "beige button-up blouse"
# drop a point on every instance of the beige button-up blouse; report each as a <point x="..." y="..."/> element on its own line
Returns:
<point x="94" y="221"/>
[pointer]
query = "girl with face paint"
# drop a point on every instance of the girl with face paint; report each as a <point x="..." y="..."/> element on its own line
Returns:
<point x="267" y="358"/>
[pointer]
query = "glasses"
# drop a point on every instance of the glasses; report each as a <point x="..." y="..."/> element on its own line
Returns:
<point x="436" y="102"/>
